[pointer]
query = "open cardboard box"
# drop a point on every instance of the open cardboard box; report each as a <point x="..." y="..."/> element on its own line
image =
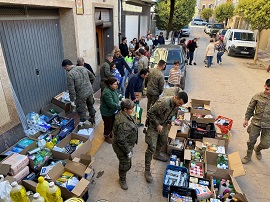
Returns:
<point x="212" y="141"/>
<point x="202" y="120"/>
<point x="26" y="149"/>
<point x="178" y="131"/>
<point x="170" y="147"/>
<point x="219" y="136"/>
<point x="57" y="101"/>
<point x="202" y="164"/>
<point x="78" y="170"/>
<point x="87" y="160"/>
<point x="234" y="163"/>
<point x="90" y="135"/>
<point x="32" y="165"/>
<point x="200" y="103"/>
<point x="187" y="154"/>
<point x="45" y="110"/>
<point x="225" y="174"/>
<point x="54" y="132"/>
<point x="83" y="149"/>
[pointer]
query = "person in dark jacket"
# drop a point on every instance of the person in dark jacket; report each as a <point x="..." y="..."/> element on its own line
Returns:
<point x="109" y="106"/>
<point x="80" y="62"/>
<point x="135" y="84"/>
<point x="161" y="39"/>
<point x="191" y="46"/>
<point x="121" y="65"/>
<point x="124" y="47"/>
<point x="155" y="42"/>
<point x="105" y="70"/>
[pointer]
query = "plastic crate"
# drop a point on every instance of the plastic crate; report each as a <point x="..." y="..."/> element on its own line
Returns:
<point x="166" y="188"/>
<point x="224" y="129"/>
<point x="185" y="192"/>
<point x="195" y="133"/>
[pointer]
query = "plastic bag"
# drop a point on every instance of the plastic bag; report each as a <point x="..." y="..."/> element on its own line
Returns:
<point x="5" y="189"/>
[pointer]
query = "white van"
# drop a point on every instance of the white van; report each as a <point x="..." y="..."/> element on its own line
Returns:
<point x="198" y="21"/>
<point x="240" y="42"/>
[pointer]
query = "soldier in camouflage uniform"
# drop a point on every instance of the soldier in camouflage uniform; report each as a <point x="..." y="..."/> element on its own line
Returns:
<point x="171" y="91"/>
<point x="259" y="110"/>
<point x="79" y="80"/>
<point x="159" y="115"/>
<point x="125" y="135"/>
<point x="155" y="83"/>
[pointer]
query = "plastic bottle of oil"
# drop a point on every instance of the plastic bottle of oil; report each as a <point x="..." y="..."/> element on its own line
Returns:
<point x="54" y="193"/>
<point x="18" y="193"/>
<point x="38" y="198"/>
<point x="42" y="187"/>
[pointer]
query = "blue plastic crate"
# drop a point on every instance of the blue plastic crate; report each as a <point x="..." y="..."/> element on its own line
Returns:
<point x="166" y="188"/>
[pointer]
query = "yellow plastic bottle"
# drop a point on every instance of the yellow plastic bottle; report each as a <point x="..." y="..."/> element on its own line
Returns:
<point x="54" y="193"/>
<point x="18" y="193"/>
<point x="42" y="187"/>
<point x="38" y="198"/>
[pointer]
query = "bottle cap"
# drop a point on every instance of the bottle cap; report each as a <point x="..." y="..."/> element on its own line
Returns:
<point x="41" y="179"/>
<point x="36" y="195"/>
<point x="51" y="184"/>
<point x="14" y="184"/>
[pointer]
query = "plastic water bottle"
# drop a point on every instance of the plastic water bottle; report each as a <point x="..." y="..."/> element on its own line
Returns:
<point x="42" y="188"/>
<point x="54" y="193"/>
<point x="38" y="198"/>
<point x="18" y="193"/>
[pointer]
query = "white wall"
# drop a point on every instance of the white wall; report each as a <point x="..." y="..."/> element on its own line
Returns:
<point x="132" y="27"/>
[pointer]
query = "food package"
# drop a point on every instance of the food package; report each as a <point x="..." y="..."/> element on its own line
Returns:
<point x="17" y="162"/>
<point x="22" y="173"/>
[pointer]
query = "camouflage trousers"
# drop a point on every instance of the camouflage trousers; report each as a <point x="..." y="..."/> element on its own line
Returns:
<point x="82" y="103"/>
<point x="151" y="100"/>
<point x="254" y="132"/>
<point x="124" y="162"/>
<point x="155" y="141"/>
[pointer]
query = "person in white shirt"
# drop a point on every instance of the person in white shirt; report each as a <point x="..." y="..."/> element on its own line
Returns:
<point x="210" y="51"/>
<point x="149" y="42"/>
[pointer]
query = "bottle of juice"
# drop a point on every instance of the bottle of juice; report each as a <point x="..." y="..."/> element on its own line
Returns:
<point x="42" y="187"/>
<point x="54" y="193"/>
<point x="38" y="198"/>
<point x="18" y="193"/>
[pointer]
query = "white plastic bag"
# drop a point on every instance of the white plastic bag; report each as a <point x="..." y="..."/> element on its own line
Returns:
<point x="5" y="189"/>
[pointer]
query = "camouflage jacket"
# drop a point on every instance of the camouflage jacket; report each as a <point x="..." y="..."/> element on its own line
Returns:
<point x="172" y="91"/>
<point x="162" y="112"/>
<point x="155" y="84"/>
<point x="259" y="109"/>
<point x="125" y="132"/>
<point x="143" y="63"/>
<point x="105" y="71"/>
<point x="79" y="81"/>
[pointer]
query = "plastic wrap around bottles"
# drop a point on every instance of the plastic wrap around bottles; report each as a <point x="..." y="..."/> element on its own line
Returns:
<point x="54" y="193"/>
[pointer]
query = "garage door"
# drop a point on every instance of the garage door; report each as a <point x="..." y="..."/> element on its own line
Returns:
<point x="33" y="53"/>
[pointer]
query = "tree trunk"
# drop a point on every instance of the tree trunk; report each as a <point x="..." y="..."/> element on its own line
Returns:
<point x="169" y="28"/>
<point x="257" y="46"/>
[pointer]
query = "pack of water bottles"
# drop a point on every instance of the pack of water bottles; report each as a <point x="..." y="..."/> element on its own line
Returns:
<point x="36" y="123"/>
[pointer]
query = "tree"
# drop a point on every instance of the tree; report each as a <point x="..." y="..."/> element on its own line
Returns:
<point x="223" y="12"/>
<point x="257" y="13"/>
<point x="206" y="14"/>
<point x="182" y="15"/>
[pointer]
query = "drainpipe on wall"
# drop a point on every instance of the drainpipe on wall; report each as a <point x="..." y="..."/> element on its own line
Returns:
<point x="119" y="20"/>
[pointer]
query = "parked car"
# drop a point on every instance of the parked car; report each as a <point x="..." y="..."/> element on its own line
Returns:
<point x="207" y="28"/>
<point x="240" y="42"/>
<point x="186" y="31"/>
<point x="169" y="53"/>
<point x="198" y="21"/>
<point x="215" y="28"/>
<point x="220" y="34"/>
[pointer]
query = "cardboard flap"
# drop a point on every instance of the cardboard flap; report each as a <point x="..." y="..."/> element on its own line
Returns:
<point x="235" y="164"/>
<point x="187" y="154"/>
<point x="75" y="168"/>
<point x="203" y="120"/>
<point x="29" y="185"/>
<point x="200" y="102"/>
<point x="80" y="187"/>
<point x="198" y="145"/>
<point x="86" y="159"/>
<point x="199" y="111"/>
<point x="173" y="131"/>
<point x="207" y="106"/>
<point x="4" y="169"/>
<point x="221" y="173"/>
<point x="56" y="171"/>
<point x="214" y="141"/>
<point x="235" y="185"/>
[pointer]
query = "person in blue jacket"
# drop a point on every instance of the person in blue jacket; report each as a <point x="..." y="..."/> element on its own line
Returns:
<point x="121" y="65"/>
<point x="135" y="84"/>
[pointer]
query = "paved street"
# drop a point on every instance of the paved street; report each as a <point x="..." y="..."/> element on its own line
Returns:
<point x="230" y="88"/>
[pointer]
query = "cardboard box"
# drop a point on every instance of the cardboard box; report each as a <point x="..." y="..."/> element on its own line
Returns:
<point x="202" y="120"/>
<point x="32" y="166"/>
<point x="178" y="131"/>
<point x="202" y="165"/>
<point x="87" y="160"/>
<point x="200" y="103"/>
<point x="45" y="110"/>
<point x="57" y="101"/>
<point x="78" y="170"/>
<point x="54" y="132"/>
<point x="212" y="141"/>
<point x="81" y="150"/>
<point x="89" y="133"/>
<point x="170" y="147"/>
<point x="29" y="185"/>
<point x="234" y="163"/>
<point x="219" y="136"/>
<point x="25" y="150"/>
<point x="187" y="155"/>
<point x="225" y="174"/>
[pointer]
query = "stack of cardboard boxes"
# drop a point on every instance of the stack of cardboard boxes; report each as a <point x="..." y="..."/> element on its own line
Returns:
<point x="204" y="146"/>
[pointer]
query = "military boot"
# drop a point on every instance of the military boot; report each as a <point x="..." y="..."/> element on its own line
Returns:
<point x="92" y="120"/>
<point x="258" y="152"/>
<point x="159" y="157"/>
<point x="123" y="183"/>
<point x="247" y="158"/>
<point x="147" y="174"/>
